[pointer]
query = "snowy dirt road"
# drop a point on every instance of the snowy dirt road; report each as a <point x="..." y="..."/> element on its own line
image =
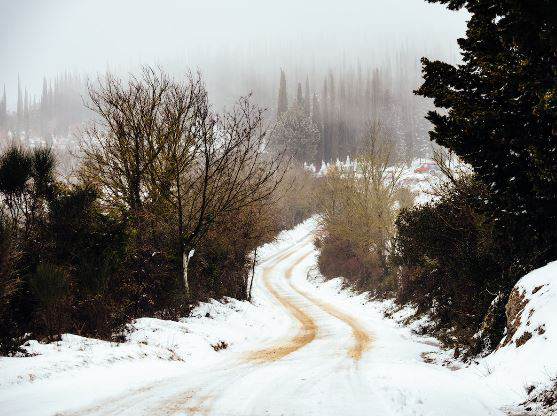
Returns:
<point x="317" y="350"/>
<point x="328" y="360"/>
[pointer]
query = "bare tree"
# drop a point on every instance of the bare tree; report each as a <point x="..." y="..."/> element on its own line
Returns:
<point x="120" y="145"/>
<point x="361" y="205"/>
<point x="226" y="169"/>
<point x="157" y="140"/>
<point x="298" y="134"/>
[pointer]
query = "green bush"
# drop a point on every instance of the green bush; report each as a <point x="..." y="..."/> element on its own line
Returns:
<point x="50" y="287"/>
<point x="452" y="260"/>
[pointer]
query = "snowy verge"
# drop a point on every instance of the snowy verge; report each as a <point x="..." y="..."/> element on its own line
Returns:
<point x="522" y="372"/>
<point x="525" y="361"/>
<point x="203" y="337"/>
<point x="401" y="319"/>
<point x="155" y="349"/>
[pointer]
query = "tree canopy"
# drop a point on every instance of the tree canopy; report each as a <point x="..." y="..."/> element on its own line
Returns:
<point x="501" y="103"/>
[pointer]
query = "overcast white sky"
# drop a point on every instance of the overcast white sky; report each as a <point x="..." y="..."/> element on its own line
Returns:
<point x="45" y="37"/>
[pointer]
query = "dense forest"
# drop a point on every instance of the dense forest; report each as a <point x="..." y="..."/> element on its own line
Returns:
<point x="349" y="101"/>
<point x="340" y="100"/>
<point x="59" y="109"/>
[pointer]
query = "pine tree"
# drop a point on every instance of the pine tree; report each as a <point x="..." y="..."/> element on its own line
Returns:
<point x="282" y="97"/>
<point x="19" y="114"/>
<point x="316" y="118"/>
<point x="307" y="99"/>
<point x="299" y="96"/>
<point x="501" y="108"/>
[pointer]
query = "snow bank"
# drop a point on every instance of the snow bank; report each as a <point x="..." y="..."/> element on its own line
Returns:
<point x="154" y="349"/>
<point x="526" y="357"/>
<point x="199" y="338"/>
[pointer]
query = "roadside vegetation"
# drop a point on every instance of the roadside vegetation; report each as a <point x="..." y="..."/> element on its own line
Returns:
<point x="165" y="209"/>
<point x="458" y="257"/>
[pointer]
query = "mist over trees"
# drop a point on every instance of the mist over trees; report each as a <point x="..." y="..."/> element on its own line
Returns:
<point x="343" y="103"/>
<point x="56" y="112"/>
<point x="340" y="99"/>
<point x="492" y="220"/>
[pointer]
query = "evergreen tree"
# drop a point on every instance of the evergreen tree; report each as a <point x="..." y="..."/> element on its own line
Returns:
<point x="300" y="97"/>
<point x="333" y="142"/>
<point x="26" y="113"/>
<point x="501" y="107"/>
<point x="326" y="124"/>
<point x="3" y="110"/>
<point x="316" y="113"/>
<point x="316" y="118"/>
<point x="307" y="99"/>
<point x="19" y="114"/>
<point x="367" y="98"/>
<point x="282" y="97"/>
<point x="342" y="136"/>
<point x="44" y="108"/>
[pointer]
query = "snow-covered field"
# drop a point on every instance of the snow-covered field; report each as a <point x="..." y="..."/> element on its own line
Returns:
<point x="304" y="347"/>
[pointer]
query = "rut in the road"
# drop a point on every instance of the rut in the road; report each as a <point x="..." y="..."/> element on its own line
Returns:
<point x="307" y="332"/>
<point x="362" y="339"/>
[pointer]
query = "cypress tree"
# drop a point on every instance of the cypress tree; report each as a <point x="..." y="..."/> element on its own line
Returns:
<point x="333" y="139"/>
<point x="316" y="118"/>
<point x="26" y="113"/>
<point x="342" y="139"/>
<point x="3" y="110"/>
<point x="19" y="114"/>
<point x="500" y="109"/>
<point x="282" y="96"/>
<point x="299" y="96"/>
<point x="326" y="124"/>
<point x="307" y="99"/>
<point x="367" y="98"/>
<point x="44" y="108"/>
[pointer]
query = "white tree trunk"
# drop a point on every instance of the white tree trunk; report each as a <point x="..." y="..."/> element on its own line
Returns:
<point x="185" y="261"/>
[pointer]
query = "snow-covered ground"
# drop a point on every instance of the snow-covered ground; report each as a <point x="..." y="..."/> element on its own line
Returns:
<point x="421" y="184"/>
<point x="526" y="360"/>
<point x="304" y="347"/>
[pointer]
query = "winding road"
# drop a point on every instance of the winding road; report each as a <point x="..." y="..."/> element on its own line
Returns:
<point x="322" y="348"/>
<point x="322" y="359"/>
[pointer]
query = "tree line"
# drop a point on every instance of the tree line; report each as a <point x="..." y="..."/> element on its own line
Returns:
<point x="58" y="109"/>
<point x="344" y="106"/>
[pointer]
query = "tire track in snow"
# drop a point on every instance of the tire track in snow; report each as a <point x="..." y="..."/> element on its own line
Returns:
<point x="201" y="399"/>
<point x="362" y="341"/>
<point x="306" y="333"/>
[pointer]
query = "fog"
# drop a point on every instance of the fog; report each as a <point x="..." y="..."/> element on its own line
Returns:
<point x="229" y="40"/>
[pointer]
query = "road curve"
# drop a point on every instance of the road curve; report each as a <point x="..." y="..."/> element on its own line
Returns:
<point x="323" y="341"/>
